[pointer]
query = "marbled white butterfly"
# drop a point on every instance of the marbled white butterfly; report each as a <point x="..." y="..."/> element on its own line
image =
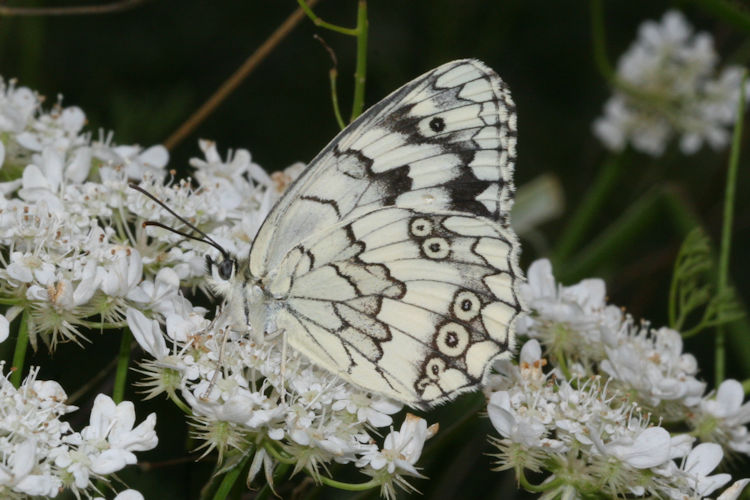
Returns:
<point x="390" y="261"/>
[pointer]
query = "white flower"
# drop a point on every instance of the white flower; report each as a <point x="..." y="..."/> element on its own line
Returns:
<point x="125" y="495"/>
<point x="122" y="273"/>
<point x="642" y="449"/>
<point x="701" y="461"/>
<point x="56" y="457"/>
<point x="668" y="88"/>
<point x="402" y="448"/>
<point x="112" y="437"/>
<point x="27" y="267"/>
<point x="374" y="410"/>
<point x="652" y="362"/>
<point x="4" y="328"/>
<point x="19" y="476"/>
<point x="734" y="491"/>
<point x="575" y="319"/>
<point x="724" y="418"/>
<point x="524" y="427"/>
<point x="147" y="333"/>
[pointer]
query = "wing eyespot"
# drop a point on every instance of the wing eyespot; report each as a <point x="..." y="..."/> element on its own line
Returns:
<point x="452" y="339"/>
<point x="436" y="248"/>
<point x="437" y="124"/>
<point x="434" y="368"/>
<point x="466" y="305"/>
<point x="420" y="227"/>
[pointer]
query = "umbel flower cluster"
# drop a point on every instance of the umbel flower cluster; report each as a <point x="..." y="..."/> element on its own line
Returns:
<point x="667" y="86"/>
<point x="76" y="262"/>
<point x="608" y="406"/>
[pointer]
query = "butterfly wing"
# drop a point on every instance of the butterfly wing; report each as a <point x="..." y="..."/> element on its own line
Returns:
<point x="445" y="141"/>
<point x="408" y="304"/>
<point x="396" y="227"/>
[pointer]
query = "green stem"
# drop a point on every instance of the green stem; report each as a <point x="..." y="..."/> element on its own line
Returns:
<point x="10" y="302"/>
<point x="537" y="488"/>
<point x="349" y="486"/>
<point x="102" y="326"/>
<point x="332" y="75"/>
<point x="269" y="447"/>
<point x="180" y="404"/>
<point x="600" y="43"/>
<point x="19" y="356"/>
<point x="360" y="73"/>
<point x="615" y="239"/>
<point x="726" y="232"/>
<point x="562" y="362"/>
<point x="589" y="208"/>
<point x="618" y="236"/>
<point x="319" y="22"/>
<point x="672" y="301"/>
<point x="230" y="478"/>
<point x="123" y="359"/>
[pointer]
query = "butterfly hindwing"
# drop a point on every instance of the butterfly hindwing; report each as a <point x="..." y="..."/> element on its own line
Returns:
<point x="391" y="257"/>
<point x="415" y="304"/>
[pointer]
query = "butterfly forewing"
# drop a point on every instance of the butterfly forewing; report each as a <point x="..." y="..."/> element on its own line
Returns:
<point x="392" y="256"/>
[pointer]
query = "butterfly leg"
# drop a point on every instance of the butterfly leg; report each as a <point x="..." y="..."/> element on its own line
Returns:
<point x="283" y="366"/>
<point x="222" y="342"/>
<point x="282" y="371"/>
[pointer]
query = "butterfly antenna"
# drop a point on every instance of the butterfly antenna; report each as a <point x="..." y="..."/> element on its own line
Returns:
<point x="204" y="237"/>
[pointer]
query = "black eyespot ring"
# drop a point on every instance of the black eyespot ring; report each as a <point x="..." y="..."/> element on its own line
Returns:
<point x="437" y="124"/>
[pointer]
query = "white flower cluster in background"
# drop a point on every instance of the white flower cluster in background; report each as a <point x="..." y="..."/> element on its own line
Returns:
<point x="668" y="86"/>
<point x="41" y="455"/>
<point x="594" y="394"/>
<point x="75" y="260"/>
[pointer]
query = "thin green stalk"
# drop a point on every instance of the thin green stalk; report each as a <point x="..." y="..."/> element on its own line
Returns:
<point x="123" y="360"/>
<point x="537" y="488"/>
<point x="726" y="232"/>
<point x="349" y="486"/>
<point x="563" y="363"/>
<point x="672" y="301"/>
<point x="19" y="356"/>
<point x="101" y="325"/>
<point x="360" y="74"/>
<point x="323" y="24"/>
<point x="679" y="214"/>
<point x="589" y="208"/>
<point x="278" y="455"/>
<point x="332" y="75"/>
<point x="614" y="239"/>
<point x="617" y="237"/>
<point x="599" y="40"/>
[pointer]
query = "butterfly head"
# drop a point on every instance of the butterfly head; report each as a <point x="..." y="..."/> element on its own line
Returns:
<point x="224" y="269"/>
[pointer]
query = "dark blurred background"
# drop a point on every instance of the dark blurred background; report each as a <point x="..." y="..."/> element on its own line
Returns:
<point x="142" y="72"/>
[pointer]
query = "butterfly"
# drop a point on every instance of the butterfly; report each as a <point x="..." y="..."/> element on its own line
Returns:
<point x="390" y="261"/>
